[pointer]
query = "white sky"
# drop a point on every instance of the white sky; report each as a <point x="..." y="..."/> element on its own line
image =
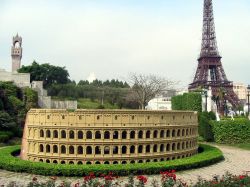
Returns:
<point x="112" y="38"/>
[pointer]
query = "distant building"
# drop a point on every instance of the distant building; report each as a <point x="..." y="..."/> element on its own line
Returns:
<point x="241" y="91"/>
<point x="160" y="103"/>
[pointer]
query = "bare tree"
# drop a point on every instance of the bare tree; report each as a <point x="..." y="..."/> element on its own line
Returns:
<point x="146" y="87"/>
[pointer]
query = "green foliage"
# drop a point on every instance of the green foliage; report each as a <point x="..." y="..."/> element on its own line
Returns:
<point x="47" y="73"/>
<point x="5" y="136"/>
<point x="210" y="155"/>
<point x="187" y="101"/>
<point x="30" y="98"/>
<point x="205" y="129"/>
<point x="231" y="132"/>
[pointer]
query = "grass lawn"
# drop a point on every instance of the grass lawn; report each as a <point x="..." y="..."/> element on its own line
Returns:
<point x="88" y="104"/>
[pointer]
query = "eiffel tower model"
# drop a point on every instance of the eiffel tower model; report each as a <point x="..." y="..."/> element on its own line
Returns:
<point x="210" y="72"/>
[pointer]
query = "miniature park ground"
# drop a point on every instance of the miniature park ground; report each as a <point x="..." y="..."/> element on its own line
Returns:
<point x="237" y="161"/>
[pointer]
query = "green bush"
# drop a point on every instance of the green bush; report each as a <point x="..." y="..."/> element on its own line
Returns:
<point x="5" y="136"/>
<point x="231" y="132"/>
<point x="205" y="128"/>
<point x="209" y="156"/>
<point x="187" y="101"/>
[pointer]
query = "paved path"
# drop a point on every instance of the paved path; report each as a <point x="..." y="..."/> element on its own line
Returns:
<point x="237" y="161"/>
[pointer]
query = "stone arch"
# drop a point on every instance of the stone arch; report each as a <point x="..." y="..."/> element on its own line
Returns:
<point x="41" y="148"/>
<point x="80" y="150"/>
<point x="106" y="162"/>
<point x="88" y="150"/>
<point x="115" y="162"/>
<point x="40" y="160"/>
<point x="155" y="133"/>
<point x="115" y="135"/>
<point x="71" y="162"/>
<point x="124" y="134"/>
<point x="55" y="149"/>
<point x="115" y="150"/>
<point x="173" y="146"/>
<point x="97" y="150"/>
<point x="71" y="134"/>
<point x="140" y="161"/>
<point x="106" y="135"/>
<point x="183" y="145"/>
<point x="98" y="135"/>
<point x="88" y="163"/>
<point x="124" y="149"/>
<point x="55" y="134"/>
<point x="187" y="132"/>
<point x="155" y="148"/>
<point x="162" y="134"/>
<point x="148" y="134"/>
<point x="161" y="148"/>
<point x="48" y="134"/>
<point x="41" y="133"/>
<point x="178" y="146"/>
<point x="140" y="134"/>
<point x="132" y="135"/>
<point x="124" y="162"/>
<point x="79" y="163"/>
<point x="63" y="149"/>
<point x="147" y="148"/>
<point x="173" y="133"/>
<point x="63" y="134"/>
<point x="47" y="161"/>
<point x="147" y="161"/>
<point x="106" y="150"/>
<point x="168" y="147"/>
<point x="178" y="132"/>
<point x="63" y="162"/>
<point x="140" y="149"/>
<point x="132" y="162"/>
<point x="54" y="161"/>
<point x="47" y="148"/>
<point x="187" y="145"/>
<point x="89" y="135"/>
<point x="162" y="159"/>
<point x="183" y="132"/>
<point x="80" y="135"/>
<point x="132" y="149"/>
<point x="155" y="160"/>
<point x="97" y="162"/>
<point x="168" y="133"/>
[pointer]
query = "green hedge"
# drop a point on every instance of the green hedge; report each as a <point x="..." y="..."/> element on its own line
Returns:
<point x="231" y="132"/>
<point x="209" y="156"/>
<point x="5" y="136"/>
<point x="187" y="101"/>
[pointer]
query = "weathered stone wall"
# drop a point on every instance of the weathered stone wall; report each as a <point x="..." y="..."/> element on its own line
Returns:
<point x="20" y="79"/>
<point x="108" y="136"/>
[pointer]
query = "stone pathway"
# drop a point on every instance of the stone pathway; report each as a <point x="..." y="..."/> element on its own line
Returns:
<point x="237" y="161"/>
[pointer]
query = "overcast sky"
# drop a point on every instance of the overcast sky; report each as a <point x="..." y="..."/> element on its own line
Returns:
<point x="115" y="37"/>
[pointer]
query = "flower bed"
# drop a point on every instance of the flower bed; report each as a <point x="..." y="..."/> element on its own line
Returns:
<point x="209" y="155"/>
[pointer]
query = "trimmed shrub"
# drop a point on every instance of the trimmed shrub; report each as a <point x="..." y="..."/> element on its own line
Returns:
<point x="205" y="128"/>
<point x="231" y="132"/>
<point x="210" y="155"/>
<point x="187" y="101"/>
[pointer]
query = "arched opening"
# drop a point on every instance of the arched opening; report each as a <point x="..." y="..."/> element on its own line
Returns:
<point x="88" y="150"/>
<point x="106" y="150"/>
<point x="132" y="162"/>
<point x="140" y="135"/>
<point x="41" y="133"/>
<point x="132" y="149"/>
<point x="155" y="148"/>
<point x="63" y="149"/>
<point x="97" y="135"/>
<point x="148" y="134"/>
<point x="161" y="148"/>
<point x="155" y="160"/>
<point x="80" y="150"/>
<point x="89" y="135"/>
<point x="179" y="133"/>
<point x="54" y="161"/>
<point x="140" y="161"/>
<point x="115" y="150"/>
<point x="132" y="135"/>
<point x="187" y="145"/>
<point x="115" y="162"/>
<point x="106" y="162"/>
<point x="80" y="135"/>
<point x="97" y="162"/>
<point x="124" y="149"/>
<point x="168" y="133"/>
<point x="124" y="135"/>
<point x="173" y="133"/>
<point x="63" y="134"/>
<point x="71" y="150"/>
<point x="47" y="148"/>
<point x="162" y="159"/>
<point x="88" y="163"/>
<point x="140" y="149"/>
<point x="124" y="162"/>
<point x="106" y="135"/>
<point x="63" y="162"/>
<point x="41" y="148"/>
<point x="162" y="134"/>
<point x="168" y="147"/>
<point x="71" y="135"/>
<point x="148" y="149"/>
<point x="155" y="134"/>
<point x="183" y="132"/>
<point x="55" y="149"/>
<point x="115" y="135"/>
<point x="183" y="145"/>
<point x="178" y="146"/>
<point x="173" y="147"/>
<point x="79" y="163"/>
<point x="97" y="150"/>
<point x="71" y="162"/>
<point x="147" y="161"/>
<point x="55" y="134"/>
<point x="48" y="135"/>
<point x="186" y="132"/>
<point x="41" y="160"/>
<point x="47" y="161"/>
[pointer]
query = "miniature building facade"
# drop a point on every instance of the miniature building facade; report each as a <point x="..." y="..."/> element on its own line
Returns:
<point x="108" y="136"/>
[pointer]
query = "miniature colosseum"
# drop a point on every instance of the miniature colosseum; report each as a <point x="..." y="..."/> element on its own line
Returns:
<point x="108" y="136"/>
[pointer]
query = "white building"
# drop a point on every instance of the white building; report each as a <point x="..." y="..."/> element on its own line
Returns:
<point x="160" y="103"/>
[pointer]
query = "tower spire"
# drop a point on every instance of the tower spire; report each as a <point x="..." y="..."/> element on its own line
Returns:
<point x="209" y="44"/>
